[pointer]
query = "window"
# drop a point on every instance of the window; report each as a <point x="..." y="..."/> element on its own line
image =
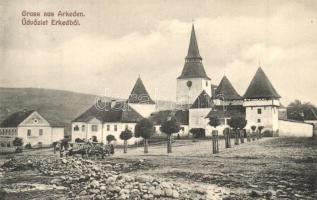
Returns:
<point x="76" y="128"/>
<point x="40" y="132"/>
<point x="259" y="111"/>
<point x="9" y="145"/>
<point x="83" y="128"/>
<point x="94" y="128"/>
<point x="29" y="132"/>
<point x="259" y="120"/>
<point x="3" y="145"/>
<point x="206" y="83"/>
<point x="115" y="127"/>
<point x="108" y="127"/>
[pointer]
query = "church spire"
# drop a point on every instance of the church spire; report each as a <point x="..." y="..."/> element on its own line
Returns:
<point x="193" y="51"/>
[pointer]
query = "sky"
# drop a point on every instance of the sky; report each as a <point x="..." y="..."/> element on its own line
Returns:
<point x="118" y="41"/>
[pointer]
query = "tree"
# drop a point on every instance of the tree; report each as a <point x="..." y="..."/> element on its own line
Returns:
<point x="110" y="138"/>
<point x="214" y="121"/>
<point x="144" y="128"/>
<point x="170" y="127"/>
<point x="18" y="142"/>
<point x="236" y="123"/>
<point x="260" y="128"/>
<point x="299" y="111"/>
<point x="125" y="136"/>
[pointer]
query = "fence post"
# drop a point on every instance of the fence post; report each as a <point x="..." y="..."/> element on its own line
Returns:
<point x="242" y="133"/>
<point x="215" y="148"/>
<point x="248" y="136"/>
<point x="226" y="133"/>
<point x="236" y="138"/>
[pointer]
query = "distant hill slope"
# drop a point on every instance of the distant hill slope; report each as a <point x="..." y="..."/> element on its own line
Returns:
<point x="58" y="106"/>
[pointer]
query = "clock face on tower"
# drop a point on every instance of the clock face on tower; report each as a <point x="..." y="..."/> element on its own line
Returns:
<point x="189" y="84"/>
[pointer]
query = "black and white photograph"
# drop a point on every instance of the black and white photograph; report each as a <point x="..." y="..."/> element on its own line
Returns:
<point x="158" y="99"/>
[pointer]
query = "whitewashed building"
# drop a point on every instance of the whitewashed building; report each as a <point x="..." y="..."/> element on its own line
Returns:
<point x="32" y="127"/>
<point x="111" y="118"/>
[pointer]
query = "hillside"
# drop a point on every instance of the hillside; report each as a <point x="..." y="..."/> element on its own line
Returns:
<point x="58" y="106"/>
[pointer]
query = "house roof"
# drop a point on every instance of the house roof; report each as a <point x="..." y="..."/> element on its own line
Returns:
<point x="118" y="112"/>
<point x="202" y="101"/>
<point x="193" y="67"/>
<point x="139" y="94"/>
<point x="226" y="91"/>
<point x="230" y="111"/>
<point x="16" y="118"/>
<point x="182" y="116"/>
<point x="260" y="87"/>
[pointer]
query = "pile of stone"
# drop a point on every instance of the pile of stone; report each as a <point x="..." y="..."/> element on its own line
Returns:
<point x="86" y="179"/>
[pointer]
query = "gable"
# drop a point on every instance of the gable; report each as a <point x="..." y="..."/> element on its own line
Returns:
<point x="35" y="119"/>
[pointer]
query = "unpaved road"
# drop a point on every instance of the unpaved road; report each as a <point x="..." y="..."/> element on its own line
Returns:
<point x="283" y="168"/>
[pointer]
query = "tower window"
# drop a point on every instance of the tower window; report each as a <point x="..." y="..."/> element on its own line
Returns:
<point x="29" y="132"/>
<point x="259" y="111"/>
<point x="259" y="120"/>
<point x="40" y="132"/>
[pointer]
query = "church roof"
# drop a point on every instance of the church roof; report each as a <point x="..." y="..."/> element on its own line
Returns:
<point x="139" y="94"/>
<point x="118" y="112"/>
<point x="193" y="50"/>
<point x="202" y="101"/>
<point x="260" y="87"/>
<point x="193" y="67"/>
<point x="181" y="116"/>
<point x="226" y="91"/>
<point x="16" y="118"/>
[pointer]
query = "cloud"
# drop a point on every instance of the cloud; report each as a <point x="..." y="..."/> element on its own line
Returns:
<point x="283" y="41"/>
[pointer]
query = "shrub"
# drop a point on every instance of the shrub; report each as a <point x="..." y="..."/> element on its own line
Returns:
<point x="267" y="133"/>
<point x="78" y="140"/>
<point x="28" y="146"/>
<point x="110" y="138"/>
<point x="198" y="133"/>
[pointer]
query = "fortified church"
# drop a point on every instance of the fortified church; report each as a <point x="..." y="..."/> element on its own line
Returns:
<point x="197" y="99"/>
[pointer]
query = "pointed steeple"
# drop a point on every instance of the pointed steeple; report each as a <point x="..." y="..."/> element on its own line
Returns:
<point x="193" y="67"/>
<point x="139" y="94"/>
<point x="193" y="51"/>
<point x="261" y="87"/>
<point x="226" y="91"/>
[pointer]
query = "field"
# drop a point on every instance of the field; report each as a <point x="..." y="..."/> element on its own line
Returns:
<point x="272" y="168"/>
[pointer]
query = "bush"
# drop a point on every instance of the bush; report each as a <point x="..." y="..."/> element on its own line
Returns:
<point x="110" y="138"/>
<point x="198" y="133"/>
<point x="267" y="133"/>
<point x="28" y="146"/>
<point x="78" y="140"/>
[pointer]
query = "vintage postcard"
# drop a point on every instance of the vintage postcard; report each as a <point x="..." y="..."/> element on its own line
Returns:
<point x="140" y="99"/>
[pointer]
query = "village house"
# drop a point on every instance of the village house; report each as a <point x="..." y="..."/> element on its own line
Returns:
<point x="111" y="118"/>
<point x="32" y="127"/>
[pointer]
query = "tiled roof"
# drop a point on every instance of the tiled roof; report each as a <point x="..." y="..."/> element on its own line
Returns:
<point x="193" y="67"/>
<point x="230" y="111"/>
<point x="260" y="87"/>
<point x="182" y="116"/>
<point x="16" y="118"/>
<point x="139" y="94"/>
<point x="225" y="90"/>
<point x="118" y="112"/>
<point x="202" y="101"/>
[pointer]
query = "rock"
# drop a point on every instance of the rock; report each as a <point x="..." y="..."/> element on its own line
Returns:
<point x="255" y="193"/>
<point x="175" y="194"/>
<point x="103" y="188"/>
<point x="143" y="179"/>
<point x="157" y="192"/>
<point x="56" y="181"/>
<point x="166" y="185"/>
<point x="64" y="161"/>
<point x="168" y="192"/>
<point x="94" y="184"/>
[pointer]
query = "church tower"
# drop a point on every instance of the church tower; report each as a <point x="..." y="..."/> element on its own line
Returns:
<point x="193" y="79"/>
